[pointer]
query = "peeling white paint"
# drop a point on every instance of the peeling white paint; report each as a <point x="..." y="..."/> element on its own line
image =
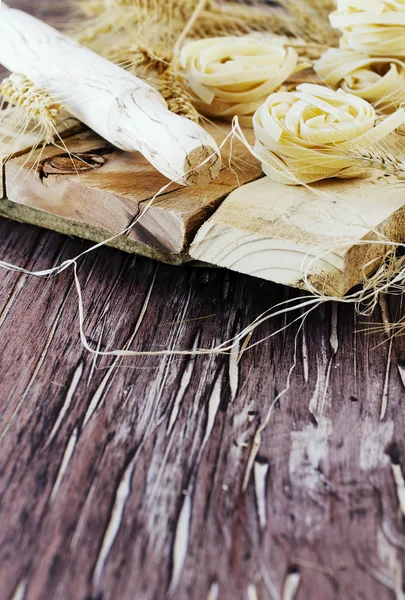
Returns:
<point x="391" y="564"/>
<point x="252" y="592"/>
<point x="257" y="440"/>
<point x="234" y="371"/>
<point x="304" y="353"/>
<point x="213" y="406"/>
<point x="123" y="491"/>
<point x="401" y="371"/>
<point x="333" y="339"/>
<point x="260" y="471"/>
<point x="374" y="439"/>
<point x="291" y="584"/>
<point x="66" y="405"/>
<point x="317" y="403"/>
<point x="180" y="545"/>
<point x="308" y="448"/>
<point x="400" y="486"/>
<point x="184" y="383"/>
<point x="95" y="402"/>
<point x="384" y="399"/>
<point x="387" y="553"/>
<point x="213" y="593"/>
<point x="65" y="463"/>
<point x="19" y="592"/>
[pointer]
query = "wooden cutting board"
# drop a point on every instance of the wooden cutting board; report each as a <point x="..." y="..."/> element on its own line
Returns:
<point x="282" y="232"/>
<point x="99" y="191"/>
<point x="242" y="221"/>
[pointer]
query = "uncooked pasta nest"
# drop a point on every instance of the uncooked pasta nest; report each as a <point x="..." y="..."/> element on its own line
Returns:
<point x="381" y="81"/>
<point x="315" y="133"/>
<point x="374" y="27"/>
<point x="233" y="75"/>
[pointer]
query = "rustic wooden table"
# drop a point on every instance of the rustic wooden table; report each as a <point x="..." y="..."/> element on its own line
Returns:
<point x="130" y="479"/>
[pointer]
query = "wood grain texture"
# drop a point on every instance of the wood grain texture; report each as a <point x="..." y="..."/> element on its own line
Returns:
<point x="282" y="232"/>
<point x="125" y="480"/>
<point x="105" y="189"/>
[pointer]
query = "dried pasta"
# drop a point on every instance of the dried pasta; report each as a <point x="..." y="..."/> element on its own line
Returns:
<point x="374" y="27"/>
<point x="310" y="134"/>
<point x="381" y="81"/>
<point x="233" y="75"/>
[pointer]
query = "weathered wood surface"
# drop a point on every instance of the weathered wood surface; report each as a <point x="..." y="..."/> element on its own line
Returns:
<point x="294" y="235"/>
<point x="100" y="191"/>
<point x="126" y="480"/>
<point x="65" y="125"/>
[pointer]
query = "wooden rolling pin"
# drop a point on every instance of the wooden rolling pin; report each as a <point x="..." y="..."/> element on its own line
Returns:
<point x="117" y="105"/>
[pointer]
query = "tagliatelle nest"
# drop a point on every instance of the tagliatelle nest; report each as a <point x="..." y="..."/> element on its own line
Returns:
<point x="381" y="81"/>
<point x="311" y="134"/>
<point x="374" y="27"/>
<point x="234" y="75"/>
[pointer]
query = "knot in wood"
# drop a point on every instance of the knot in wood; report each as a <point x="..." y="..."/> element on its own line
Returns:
<point x="67" y="164"/>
